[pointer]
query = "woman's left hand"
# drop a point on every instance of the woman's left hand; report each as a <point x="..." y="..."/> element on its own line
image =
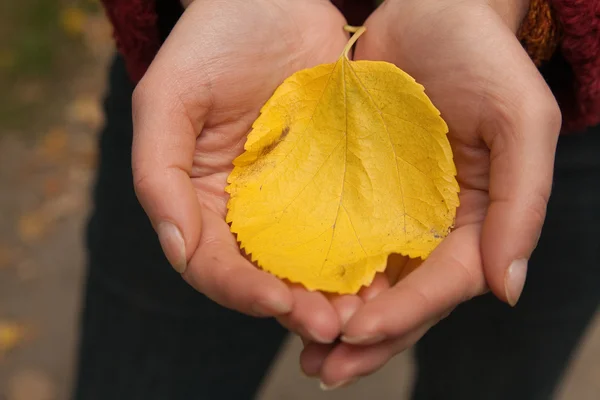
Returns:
<point x="504" y="124"/>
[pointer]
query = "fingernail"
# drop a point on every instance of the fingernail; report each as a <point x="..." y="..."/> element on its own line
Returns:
<point x="362" y="340"/>
<point x="304" y="374"/>
<point x="317" y="337"/>
<point x="337" y="385"/>
<point x="514" y="280"/>
<point x="171" y="241"/>
<point x="271" y="308"/>
<point x="345" y="315"/>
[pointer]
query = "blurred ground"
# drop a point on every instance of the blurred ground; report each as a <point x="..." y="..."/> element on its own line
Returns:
<point x="53" y="56"/>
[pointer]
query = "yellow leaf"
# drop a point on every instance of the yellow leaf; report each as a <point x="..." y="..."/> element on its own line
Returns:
<point x="54" y="144"/>
<point x="32" y="226"/>
<point x="7" y="59"/>
<point x="11" y="334"/>
<point x="72" y="20"/>
<point x="86" y="109"/>
<point x="348" y="163"/>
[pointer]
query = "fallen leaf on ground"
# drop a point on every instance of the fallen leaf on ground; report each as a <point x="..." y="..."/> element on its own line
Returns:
<point x="97" y="35"/>
<point x="348" y="163"/>
<point x="52" y="186"/>
<point x="53" y="145"/>
<point x="29" y="91"/>
<point x="32" y="226"/>
<point x="11" y="335"/>
<point x="6" y="256"/>
<point x="7" y="59"/>
<point x="72" y="20"/>
<point x="86" y="109"/>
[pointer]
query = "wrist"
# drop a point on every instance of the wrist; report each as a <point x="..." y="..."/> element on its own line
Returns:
<point x="511" y="11"/>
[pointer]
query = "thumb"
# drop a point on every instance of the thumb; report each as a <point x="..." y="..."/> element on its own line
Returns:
<point x="164" y="141"/>
<point x="522" y="159"/>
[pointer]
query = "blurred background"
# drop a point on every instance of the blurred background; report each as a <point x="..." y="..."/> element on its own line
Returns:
<point x="53" y="60"/>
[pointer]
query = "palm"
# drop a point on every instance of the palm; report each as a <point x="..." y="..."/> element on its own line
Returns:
<point x="491" y="95"/>
<point x="469" y="75"/>
<point x="224" y="60"/>
<point x="244" y="64"/>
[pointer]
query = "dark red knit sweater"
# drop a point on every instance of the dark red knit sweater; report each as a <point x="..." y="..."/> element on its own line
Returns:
<point x="140" y="26"/>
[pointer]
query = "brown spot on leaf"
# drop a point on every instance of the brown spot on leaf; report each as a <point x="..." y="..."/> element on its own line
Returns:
<point x="267" y="149"/>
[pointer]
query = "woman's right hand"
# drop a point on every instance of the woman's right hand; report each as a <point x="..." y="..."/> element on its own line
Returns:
<point x="192" y="111"/>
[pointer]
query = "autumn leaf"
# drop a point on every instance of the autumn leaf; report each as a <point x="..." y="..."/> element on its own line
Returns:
<point x="7" y="59"/>
<point x="53" y="145"/>
<point x="347" y="163"/>
<point x="86" y="109"/>
<point x="72" y="20"/>
<point x="32" y="226"/>
<point x="11" y="334"/>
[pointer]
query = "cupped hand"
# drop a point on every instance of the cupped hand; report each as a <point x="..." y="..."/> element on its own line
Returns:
<point x="192" y="112"/>
<point x="504" y="124"/>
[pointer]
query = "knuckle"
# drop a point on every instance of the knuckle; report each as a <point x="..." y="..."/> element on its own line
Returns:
<point x="471" y="283"/>
<point x="207" y="276"/>
<point x="193" y="275"/>
<point x="142" y="183"/>
<point x="207" y="280"/>
<point x="542" y="109"/>
<point x="219" y="280"/>
<point x="472" y="286"/>
<point x="535" y="209"/>
<point x="139" y="94"/>
<point x="547" y="112"/>
<point x="537" y="109"/>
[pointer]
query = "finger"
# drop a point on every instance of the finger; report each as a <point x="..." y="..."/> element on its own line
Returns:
<point x="164" y="137"/>
<point x="312" y="357"/>
<point x="219" y="271"/>
<point x="346" y="363"/>
<point x="522" y="158"/>
<point x="380" y="283"/>
<point x="345" y="306"/>
<point x="451" y="275"/>
<point x="313" y="316"/>
<point x="397" y="268"/>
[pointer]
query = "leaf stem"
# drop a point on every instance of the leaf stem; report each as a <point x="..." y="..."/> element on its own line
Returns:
<point x="350" y="28"/>
<point x="357" y="32"/>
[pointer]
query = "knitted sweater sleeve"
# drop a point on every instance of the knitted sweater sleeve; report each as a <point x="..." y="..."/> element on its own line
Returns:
<point x="579" y="96"/>
<point x="136" y="30"/>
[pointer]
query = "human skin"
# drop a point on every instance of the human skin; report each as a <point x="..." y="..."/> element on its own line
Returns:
<point x="503" y="127"/>
<point x="192" y="111"/>
<point x="223" y="60"/>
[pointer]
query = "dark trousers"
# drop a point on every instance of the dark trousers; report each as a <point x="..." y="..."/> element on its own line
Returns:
<point x="146" y="335"/>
